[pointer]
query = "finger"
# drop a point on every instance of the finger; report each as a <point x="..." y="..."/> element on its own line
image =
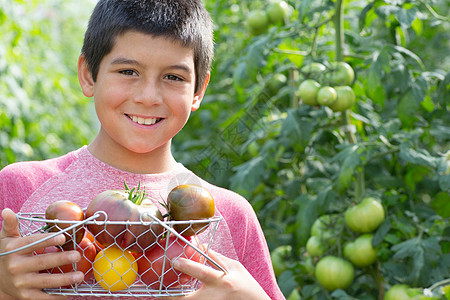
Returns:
<point x="49" y="281"/>
<point x="28" y="242"/>
<point x="10" y="225"/>
<point x="205" y="274"/>
<point x="40" y="262"/>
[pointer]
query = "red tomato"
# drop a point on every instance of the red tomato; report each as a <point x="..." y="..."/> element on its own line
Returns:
<point x="125" y="206"/>
<point x="154" y="267"/>
<point x="64" y="210"/>
<point x="88" y="252"/>
<point x="91" y="237"/>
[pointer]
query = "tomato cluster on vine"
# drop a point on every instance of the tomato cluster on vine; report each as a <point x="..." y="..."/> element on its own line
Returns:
<point x="327" y="86"/>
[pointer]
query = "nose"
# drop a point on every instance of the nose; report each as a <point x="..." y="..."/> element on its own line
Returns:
<point x="149" y="92"/>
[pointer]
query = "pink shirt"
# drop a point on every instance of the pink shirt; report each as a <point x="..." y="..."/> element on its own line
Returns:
<point x="78" y="176"/>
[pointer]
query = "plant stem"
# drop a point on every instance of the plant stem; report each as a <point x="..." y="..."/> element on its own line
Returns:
<point x="350" y="135"/>
<point x="339" y="28"/>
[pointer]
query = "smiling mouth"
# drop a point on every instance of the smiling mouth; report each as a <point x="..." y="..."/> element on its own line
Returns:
<point x="144" y="121"/>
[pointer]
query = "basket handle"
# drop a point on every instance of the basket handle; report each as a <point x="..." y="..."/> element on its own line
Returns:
<point x="51" y="236"/>
<point x="209" y="259"/>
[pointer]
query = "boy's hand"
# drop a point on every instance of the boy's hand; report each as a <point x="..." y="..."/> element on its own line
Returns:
<point x="237" y="284"/>
<point x="20" y="277"/>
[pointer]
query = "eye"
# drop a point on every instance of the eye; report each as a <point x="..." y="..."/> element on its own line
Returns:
<point x="128" y="72"/>
<point x="173" y="77"/>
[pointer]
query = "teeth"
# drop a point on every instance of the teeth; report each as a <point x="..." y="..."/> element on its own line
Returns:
<point x="143" y="121"/>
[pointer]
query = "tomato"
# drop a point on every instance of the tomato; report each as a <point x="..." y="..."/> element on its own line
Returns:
<point x="326" y="95"/>
<point x="334" y="273"/>
<point x="397" y="292"/>
<point x="115" y="269"/>
<point x="361" y="252"/>
<point x="125" y="206"/>
<point x="366" y="216"/>
<point x="279" y="256"/>
<point x="277" y="81"/>
<point x="88" y="252"/>
<point x="98" y="246"/>
<point x="190" y="202"/>
<point x="345" y="98"/>
<point x="64" y="210"/>
<point x="155" y="264"/>
<point x="278" y="11"/>
<point x="294" y="295"/>
<point x="326" y="227"/>
<point x="341" y="73"/>
<point x="308" y="91"/>
<point x="314" y="70"/>
<point x="257" y="21"/>
<point x="315" y="246"/>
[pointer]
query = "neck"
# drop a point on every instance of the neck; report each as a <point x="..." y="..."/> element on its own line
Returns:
<point x="159" y="160"/>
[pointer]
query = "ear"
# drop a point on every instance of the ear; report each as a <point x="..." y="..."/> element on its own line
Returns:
<point x="198" y="96"/>
<point x="85" y="77"/>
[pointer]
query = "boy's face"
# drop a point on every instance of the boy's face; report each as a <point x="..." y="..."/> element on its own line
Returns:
<point x="144" y="91"/>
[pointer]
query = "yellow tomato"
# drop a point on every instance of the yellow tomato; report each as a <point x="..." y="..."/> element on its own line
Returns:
<point x="115" y="269"/>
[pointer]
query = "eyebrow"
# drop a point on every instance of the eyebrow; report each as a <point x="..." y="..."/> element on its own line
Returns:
<point x="126" y="61"/>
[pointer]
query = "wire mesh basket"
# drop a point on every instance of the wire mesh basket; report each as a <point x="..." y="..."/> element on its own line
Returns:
<point x="111" y="269"/>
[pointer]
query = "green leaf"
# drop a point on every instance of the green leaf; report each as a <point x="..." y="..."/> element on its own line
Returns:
<point x="256" y="56"/>
<point x="441" y="203"/>
<point x="419" y="157"/>
<point x="406" y="16"/>
<point x="248" y="175"/>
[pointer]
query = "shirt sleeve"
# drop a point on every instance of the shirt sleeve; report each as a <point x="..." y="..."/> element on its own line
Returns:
<point x="250" y="245"/>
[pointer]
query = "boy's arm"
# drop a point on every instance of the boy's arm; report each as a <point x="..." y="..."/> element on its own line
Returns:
<point x="20" y="277"/>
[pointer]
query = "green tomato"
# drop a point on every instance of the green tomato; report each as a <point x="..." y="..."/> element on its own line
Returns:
<point x="326" y="95"/>
<point x="361" y="252"/>
<point x="327" y="227"/>
<point x="294" y="295"/>
<point x="278" y="11"/>
<point x="397" y="292"/>
<point x="277" y="81"/>
<point x="308" y="91"/>
<point x="280" y="256"/>
<point x="257" y="21"/>
<point x="315" y="246"/>
<point x="314" y="70"/>
<point x="334" y="273"/>
<point x="366" y="216"/>
<point x="341" y="73"/>
<point x="345" y="98"/>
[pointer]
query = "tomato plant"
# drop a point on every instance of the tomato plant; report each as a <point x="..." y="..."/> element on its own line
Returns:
<point x="398" y="292"/>
<point x="257" y="21"/>
<point x="315" y="246"/>
<point x="341" y="73"/>
<point x="155" y="264"/>
<point x="190" y="202"/>
<point x="308" y="90"/>
<point x="360" y="252"/>
<point x="365" y="216"/>
<point x="64" y="210"/>
<point x="326" y="95"/>
<point x="280" y="257"/>
<point x="345" y="98"/>
<point x="115" y="269"/>
<point x="125" y="206"/>
<point x="334" y="273"/>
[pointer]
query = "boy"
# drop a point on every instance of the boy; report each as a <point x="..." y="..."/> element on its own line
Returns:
<point x="146" y="64"/>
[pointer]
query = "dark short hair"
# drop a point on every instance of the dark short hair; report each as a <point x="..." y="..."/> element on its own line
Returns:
<point x="185" y="21"/>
